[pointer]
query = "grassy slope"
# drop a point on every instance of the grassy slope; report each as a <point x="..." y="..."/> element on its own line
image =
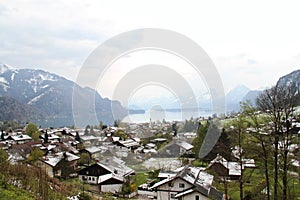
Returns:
<point x="12" y="192"/>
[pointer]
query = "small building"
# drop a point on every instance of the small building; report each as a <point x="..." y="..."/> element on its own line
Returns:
<point x="187" y="183"/>
<point x="106" y="176"/>
<point x="129" y="143"/>
<point x="19" y="138"/>
<point x="177" y="148"/>
<point x="224" y="168"/>
<point x="190" y="135"/>
<point x="61" y="165"/>
<point x="20" y="152"/>
<point x="93" y="151"/>
<point x="51" y="137"/>
<point x="89" y="140"/>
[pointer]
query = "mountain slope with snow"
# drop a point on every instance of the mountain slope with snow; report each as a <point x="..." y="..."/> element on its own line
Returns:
<point x="12" y="109"/>
<point x="52" y="94"/>
<point x="291" y="79"/>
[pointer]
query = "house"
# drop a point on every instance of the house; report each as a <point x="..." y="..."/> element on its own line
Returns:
<point x="159" y="140"/>
<point x="224" y="168"/>
<point x="93" y="151"/>
<point x="15" y="156"/>
<point x="149" y="149"/>
<point x="190" y="135"/>
<point x="129" y="143"/>
<point x="89" y="140"/>
<point x="51" y="137"/>
<point x="62" y="164"/>
<point x="20" y="152"/>
<point x="19" y="138"/>
<point x="177" y="148"/>
<point x="198" y="193"/>
<point x="106" y="176"/>
<point x="187" y="183"/>
<point x="150" y="146"/>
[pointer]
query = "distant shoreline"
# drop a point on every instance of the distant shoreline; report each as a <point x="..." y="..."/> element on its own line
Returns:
<point x="136" y="111"/>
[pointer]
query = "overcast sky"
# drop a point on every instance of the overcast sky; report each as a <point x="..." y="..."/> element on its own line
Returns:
<point x="251" y="43"/>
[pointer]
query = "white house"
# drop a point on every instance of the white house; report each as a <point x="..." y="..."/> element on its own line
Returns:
<point x="19" y="138"/>
<point x="62" y="164"/>
<point x="106" y="176"/>
<point x="187" y="183"/>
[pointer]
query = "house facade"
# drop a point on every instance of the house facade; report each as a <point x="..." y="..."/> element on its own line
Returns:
<point x="170" y="188"/>
<point x="188" y="183"/>
<point x="228" y="169"/>
<point x="61" y="165"/>
<point x="106" y="176"/>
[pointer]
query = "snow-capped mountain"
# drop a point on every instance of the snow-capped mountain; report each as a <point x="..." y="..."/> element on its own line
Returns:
<point x="51" y="94"/>
<point x="234" y="97"/>
<point x="292" y="78"/>
<point x="251" y="96"/>
<point x="12" y="109"/>
<point x="236" y="94"/>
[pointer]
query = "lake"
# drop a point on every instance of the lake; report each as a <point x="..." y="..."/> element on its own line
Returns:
<point x="155" y="115"/>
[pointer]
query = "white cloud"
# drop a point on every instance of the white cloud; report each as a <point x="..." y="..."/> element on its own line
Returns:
<point x="253" y="42"/>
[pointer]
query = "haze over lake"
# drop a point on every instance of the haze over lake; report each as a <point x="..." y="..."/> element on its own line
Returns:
<point x="167" y="115"/>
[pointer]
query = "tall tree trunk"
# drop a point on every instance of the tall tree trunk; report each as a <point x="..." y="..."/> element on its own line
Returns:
<point x="225" y="188"/>
<point x="241" y="185"/>
<point x="276" y="167"/>
<point x="241" y="166"/>
<point x="265" y="153"/>
<point x="285" y="160"/>
<point x="284" y="177"/>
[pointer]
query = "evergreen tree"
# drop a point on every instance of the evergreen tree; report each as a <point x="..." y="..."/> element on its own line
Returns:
<point x="77" y="137"/>
<point x="31" y="129"/>
<point x="197" y="142"/>
<point x="46" y="137"/>
<point x="174" y="128"/>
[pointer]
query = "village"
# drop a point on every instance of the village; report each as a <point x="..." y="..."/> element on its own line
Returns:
<point x="153" y="160"/>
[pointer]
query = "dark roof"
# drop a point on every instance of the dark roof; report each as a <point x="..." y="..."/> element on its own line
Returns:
<point x="212" y="193"/>
<point x="116" y="166"/>
<point x="109" y="165"/>
<point x="200" y="180"/>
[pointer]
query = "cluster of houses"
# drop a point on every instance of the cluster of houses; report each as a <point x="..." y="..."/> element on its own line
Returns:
<point x="108" y="171"/>
<point x="62" y="150"/>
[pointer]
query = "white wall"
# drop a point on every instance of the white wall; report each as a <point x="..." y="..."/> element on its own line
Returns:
<point x="104" y="188"/>
<point x="174" y="189"/>
<point x="175" y="185"/>
<point x="111" y="188"/>
<point x="89" y="179"/>
<point x="192" y="196"/>
<point x="162" y="195"/>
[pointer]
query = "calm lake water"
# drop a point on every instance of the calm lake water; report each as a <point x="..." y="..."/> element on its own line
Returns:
<point x="155" y="115"/>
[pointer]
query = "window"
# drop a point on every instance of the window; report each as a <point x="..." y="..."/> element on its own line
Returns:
<point x="58" y="173"/>
<point x="181" y="185"/>
<point x="197" y="197"/>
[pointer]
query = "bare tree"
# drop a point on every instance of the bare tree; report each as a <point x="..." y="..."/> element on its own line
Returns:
<point x="259" y="132"/>
<point x="238" y="139"/>
<point x="279" y="103"/>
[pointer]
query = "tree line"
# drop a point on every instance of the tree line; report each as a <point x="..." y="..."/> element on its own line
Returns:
<point x="265" y="133"/>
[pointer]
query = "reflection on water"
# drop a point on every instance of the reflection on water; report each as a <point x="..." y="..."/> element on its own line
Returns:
<point x="159" y="115"/>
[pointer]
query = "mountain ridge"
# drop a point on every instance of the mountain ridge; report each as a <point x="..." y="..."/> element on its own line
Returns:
<point x="12" y="109"/>
<point x="52" y="94"/>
